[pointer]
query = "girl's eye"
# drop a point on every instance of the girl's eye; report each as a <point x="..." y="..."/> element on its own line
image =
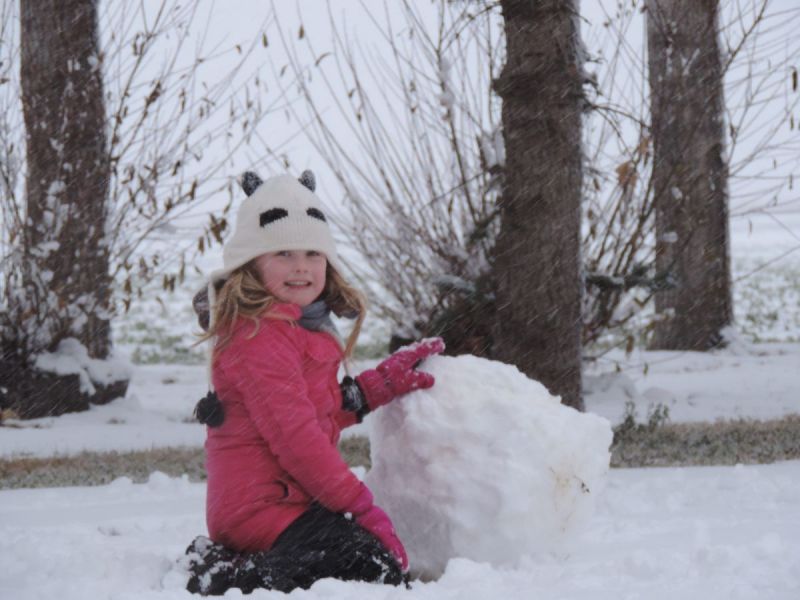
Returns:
<point x="284" y="253"/>
<point x="313" y="253"/>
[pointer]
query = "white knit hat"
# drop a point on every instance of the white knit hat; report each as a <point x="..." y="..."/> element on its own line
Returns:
<point x="281" y="213"/>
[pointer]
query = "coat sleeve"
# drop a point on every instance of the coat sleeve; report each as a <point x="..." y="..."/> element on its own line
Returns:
<point x="345" y="418"/>
<point x="276" y="398"/>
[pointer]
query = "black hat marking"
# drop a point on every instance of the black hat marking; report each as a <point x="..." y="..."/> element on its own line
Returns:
<point x="273" y="214"/>
<point x="307" y="179"/>
<point x="250" y="182"/>
<point x="317" y="214"/>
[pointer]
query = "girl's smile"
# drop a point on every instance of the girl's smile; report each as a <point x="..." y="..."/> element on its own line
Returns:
<point x="295" y="276"/>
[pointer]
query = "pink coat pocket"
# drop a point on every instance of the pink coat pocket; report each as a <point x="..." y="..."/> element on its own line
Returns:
<point x="292" y="494"/>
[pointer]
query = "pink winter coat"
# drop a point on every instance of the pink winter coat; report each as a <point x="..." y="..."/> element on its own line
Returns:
<point x="276" y="450"/>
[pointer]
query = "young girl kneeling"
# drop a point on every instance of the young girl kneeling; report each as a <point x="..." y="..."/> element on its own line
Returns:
<point x="283" y="509"/>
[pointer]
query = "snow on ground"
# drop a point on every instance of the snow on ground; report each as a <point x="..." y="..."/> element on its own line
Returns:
<point x="754" y="381"/>
<point x="691" y="533"/>
<point x="156" y="412"/>
<point x="695" y="533"/>
<point x="758" y="381"/>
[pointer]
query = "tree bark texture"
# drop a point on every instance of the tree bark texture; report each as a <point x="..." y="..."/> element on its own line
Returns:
<point x="67" y="166"/>
<point x="62" y="283"/>
<point x="537" y="258"/>
<point x="690" y="173"/>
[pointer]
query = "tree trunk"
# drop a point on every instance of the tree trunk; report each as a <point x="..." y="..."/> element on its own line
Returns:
<point x="690" y="174"/>
<point x="61" y="271"/>
<point x="537" y="266"/>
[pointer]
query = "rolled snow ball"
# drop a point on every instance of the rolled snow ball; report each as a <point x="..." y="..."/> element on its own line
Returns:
<point x="486" y="465"/>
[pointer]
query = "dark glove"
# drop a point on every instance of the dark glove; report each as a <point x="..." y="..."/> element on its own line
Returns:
<point x="378" y="523"/>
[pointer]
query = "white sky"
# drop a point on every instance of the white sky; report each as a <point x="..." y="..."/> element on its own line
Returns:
<point x="234" y="22"/>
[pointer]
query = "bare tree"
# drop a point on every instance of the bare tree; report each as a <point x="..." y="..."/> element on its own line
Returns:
<point x="537" y="265"/>
<point x="420" y="156"/>
<point x="690" y="173"/>
<point x="114" y="140"/>
<point x="620" y="242"/>
<point x="420" y="206"/>
<point x="60" y="284"/>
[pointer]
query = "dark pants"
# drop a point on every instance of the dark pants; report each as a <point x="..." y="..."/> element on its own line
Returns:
<point x="319" y="544"/>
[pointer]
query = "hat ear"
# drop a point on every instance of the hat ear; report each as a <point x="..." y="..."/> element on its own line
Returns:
<point x="307" y="179"/>
<point x="250" y="182"/>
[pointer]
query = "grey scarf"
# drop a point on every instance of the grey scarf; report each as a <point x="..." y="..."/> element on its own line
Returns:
<point x="317" y="317"/>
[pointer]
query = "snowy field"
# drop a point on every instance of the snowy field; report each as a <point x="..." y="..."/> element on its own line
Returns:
<point x="689" y="533"/>
<point x="695" y="533"/>
<point x="756" y="381"/>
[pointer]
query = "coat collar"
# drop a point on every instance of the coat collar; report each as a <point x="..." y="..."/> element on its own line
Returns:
<point x="287" y="309"/>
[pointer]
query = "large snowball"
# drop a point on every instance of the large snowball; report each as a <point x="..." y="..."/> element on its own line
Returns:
<point x="486" y="465"/>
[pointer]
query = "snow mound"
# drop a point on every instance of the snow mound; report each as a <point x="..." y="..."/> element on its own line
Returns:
<point x="486" y="465"/>
<point x="72" y="358"/>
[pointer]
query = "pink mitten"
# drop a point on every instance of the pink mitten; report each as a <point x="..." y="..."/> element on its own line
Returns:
<point x="377" y="522"/>
<point x="397" y="375"/>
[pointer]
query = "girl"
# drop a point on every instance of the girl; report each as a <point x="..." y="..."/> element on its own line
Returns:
<point x="283" y="509"/>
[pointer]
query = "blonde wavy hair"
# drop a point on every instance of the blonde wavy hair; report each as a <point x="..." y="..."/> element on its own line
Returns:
<point x="244" y="295"/>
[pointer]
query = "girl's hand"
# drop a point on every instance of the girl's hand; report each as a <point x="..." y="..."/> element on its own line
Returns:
<point x="397" y="375"/>
<point x="377" y="522"/>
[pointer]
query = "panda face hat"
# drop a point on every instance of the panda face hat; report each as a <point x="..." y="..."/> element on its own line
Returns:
<point x="281" y="213"/>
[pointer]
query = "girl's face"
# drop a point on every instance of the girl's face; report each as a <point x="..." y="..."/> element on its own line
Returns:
<point x="296" y="276"/>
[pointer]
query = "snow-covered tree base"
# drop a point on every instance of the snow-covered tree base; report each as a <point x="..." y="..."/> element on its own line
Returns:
<point x="31" y="394"/>
<point x="66" y="380"/>
<point x="486" y="465"/>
